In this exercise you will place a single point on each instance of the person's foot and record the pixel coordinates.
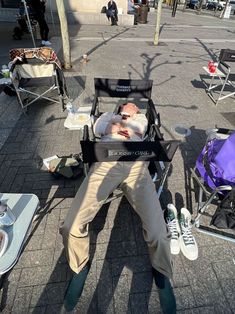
(46, 43)
(188, 243)
(173, 224)
(75, 288)
(165, 291)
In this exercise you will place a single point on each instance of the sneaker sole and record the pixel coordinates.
(185, 253)
(174, 251)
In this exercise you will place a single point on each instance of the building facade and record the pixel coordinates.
(78, 11)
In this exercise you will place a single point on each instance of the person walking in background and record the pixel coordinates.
(39, 8)
(112, 12)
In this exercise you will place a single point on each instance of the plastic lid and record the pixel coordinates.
(181, 130)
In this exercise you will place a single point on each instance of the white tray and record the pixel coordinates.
(77, 120)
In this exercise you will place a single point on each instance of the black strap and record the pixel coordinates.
(206, 164)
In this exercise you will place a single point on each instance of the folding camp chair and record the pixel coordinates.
(212, 187)
(24, 208)
(154, 149)
(222, 83)
(36, 74)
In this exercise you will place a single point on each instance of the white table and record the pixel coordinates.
(219, 80)
(24, 207)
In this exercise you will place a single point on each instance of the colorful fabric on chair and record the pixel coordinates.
(216, 163)
(45, 54)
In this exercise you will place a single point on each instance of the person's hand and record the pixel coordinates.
(124, 132)
(113, 128)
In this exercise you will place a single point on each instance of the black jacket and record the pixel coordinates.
(112, 10)
(38, 6)
(112, 6)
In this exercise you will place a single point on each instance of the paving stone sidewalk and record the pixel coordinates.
(120, 278)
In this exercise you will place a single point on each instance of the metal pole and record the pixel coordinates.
(157, 29)
(174, 8)
(52, 19)
(29, 23)
(64, 33)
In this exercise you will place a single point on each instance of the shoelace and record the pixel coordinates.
(173, 229)
(187, 234)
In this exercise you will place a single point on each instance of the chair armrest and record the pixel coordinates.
(225, 65)
(86, 133)
(128, 151)
(94, 105)
(224, 131)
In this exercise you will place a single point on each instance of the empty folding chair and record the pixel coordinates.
(222, 84)
(36, 74)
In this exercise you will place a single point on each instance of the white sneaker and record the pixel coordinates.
(46, 43)
(188, 243)
(173, 224)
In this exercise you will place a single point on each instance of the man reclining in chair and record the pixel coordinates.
(139, 189)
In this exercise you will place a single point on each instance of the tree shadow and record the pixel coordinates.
(104, 42)
(190, 150)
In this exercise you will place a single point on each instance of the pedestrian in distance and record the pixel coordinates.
(112, 12)
(39, 8)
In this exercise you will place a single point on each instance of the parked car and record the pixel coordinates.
(194, 4)
(215, 5)
(232, 3)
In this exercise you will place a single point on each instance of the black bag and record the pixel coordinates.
(104, 9)
(224, 216)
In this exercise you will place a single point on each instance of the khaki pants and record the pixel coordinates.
(137, 185)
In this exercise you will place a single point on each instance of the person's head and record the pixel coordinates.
(128, 110)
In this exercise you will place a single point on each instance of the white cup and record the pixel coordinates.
(85, 57)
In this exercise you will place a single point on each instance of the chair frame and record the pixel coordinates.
(159, 152)
(209, 197)
(222, 73)
(16, 78)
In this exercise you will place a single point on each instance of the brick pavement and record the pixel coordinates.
(120, 277)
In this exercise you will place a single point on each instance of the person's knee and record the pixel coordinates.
(76, 231)
(155, 236)
(64, 231)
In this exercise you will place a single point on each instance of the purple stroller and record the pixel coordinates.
(215, 174)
